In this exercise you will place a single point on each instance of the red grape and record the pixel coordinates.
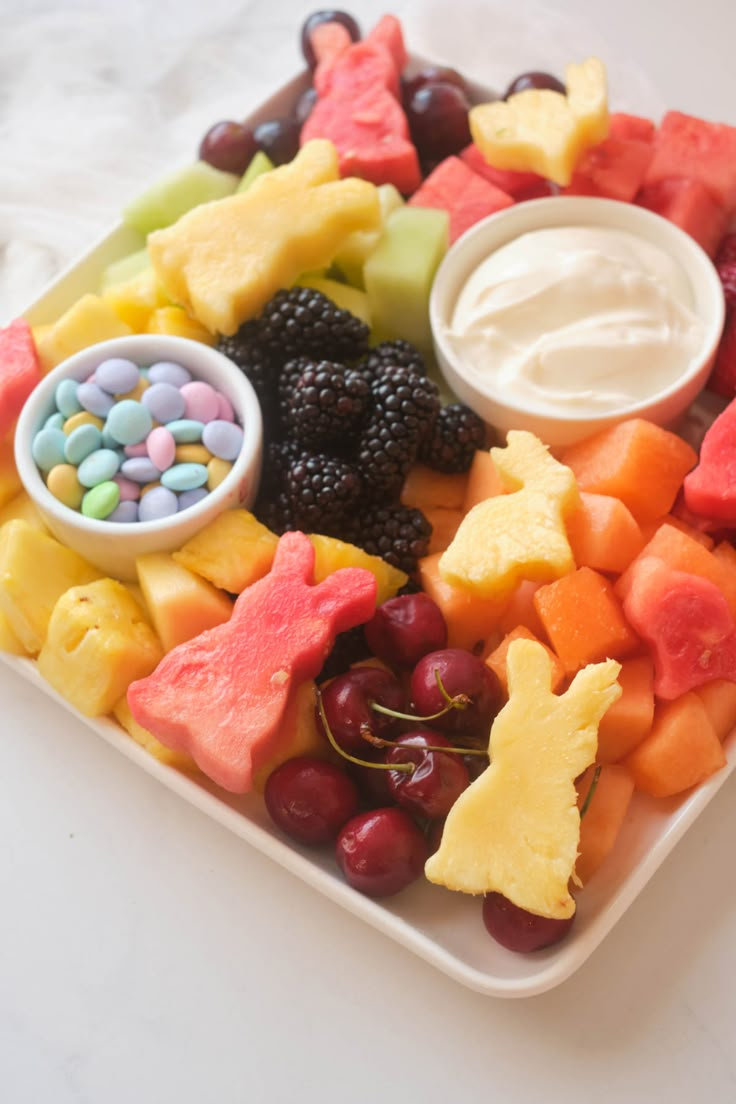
(438, 120)
(228, 146)
(437, 780)
(310, 799)
(325, 16)
(278, 139)
(431, 74)
(382, 851)
(405, 628)
(460, 673)
(519, 930)
(534, 79)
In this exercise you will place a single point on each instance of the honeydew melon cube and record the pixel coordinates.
(342, 295)
(180, 604)
(179, 759)
(98, 642)
(35, 570)
(127, 268)
(359, 245)
(399, 273)
(175, 194)
(87, 321)
(260, 163)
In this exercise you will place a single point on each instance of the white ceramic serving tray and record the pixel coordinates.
(444, 928)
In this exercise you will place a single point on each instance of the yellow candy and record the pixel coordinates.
(223, 261)
(516, 829)
(149, 487)
(82, 418)
(217, 469)
(520, 535)
(63, 483)
(192, 454)
(142, 385)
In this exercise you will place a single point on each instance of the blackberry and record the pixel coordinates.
(398, 534)
(278, 457)
(326, 405)
(349, 648)
(404, 393)
(322, 492)
(275, 512)
(399, 353)
(456, 435)
(304, 322)
(245, 350)
(288, 377)
(404, 410)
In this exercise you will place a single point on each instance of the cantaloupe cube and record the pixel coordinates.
(179, 759)
(35, 570)
(88, 321)
(445, 524)
(98, 642)
(424, 488)
(484, 480)
(583, 619)
(628, 720)
(636, 461)
(684, 553)
(180, 604)
(231, 552)
(522, 611)
(603, 533)
(298, 735)
(604, 816)
(497, 659)
(330, 554)
(681, 751)
(719, 699)
(472, 622)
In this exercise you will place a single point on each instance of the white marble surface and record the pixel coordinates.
(148, 955)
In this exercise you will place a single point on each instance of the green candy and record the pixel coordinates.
(100, 501)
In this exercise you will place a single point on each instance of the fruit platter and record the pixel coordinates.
(470, 684)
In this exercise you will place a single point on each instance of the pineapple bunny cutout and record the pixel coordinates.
(519, 535)
(516, 829)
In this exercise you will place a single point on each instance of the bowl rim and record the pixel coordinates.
(504, 226)
(157, 347)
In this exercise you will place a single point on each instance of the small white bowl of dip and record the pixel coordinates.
(568, 314)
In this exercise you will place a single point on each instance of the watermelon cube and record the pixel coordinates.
(19, 370)
(519, 185)
(686, 146)
(691, 206)
(615, 169)
(467, 197)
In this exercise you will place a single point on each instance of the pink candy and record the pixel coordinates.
(129, 491)
(202, 401)
(161, 447)
(225, 410)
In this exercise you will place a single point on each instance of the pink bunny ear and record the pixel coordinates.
(347, 597)
(294, 557)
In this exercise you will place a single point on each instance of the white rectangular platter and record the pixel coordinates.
(443, 928)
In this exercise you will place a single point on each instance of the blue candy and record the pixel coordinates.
(129, 422)
(66, 398)
(184, 477)
(98, 467)
(47, 448)
(186, 431)
(82, 441)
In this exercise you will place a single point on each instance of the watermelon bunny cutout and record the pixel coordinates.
(221, 695)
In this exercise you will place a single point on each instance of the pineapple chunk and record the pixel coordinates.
(181, 604)
(520, 535)
(231, 552)
(9, 642)
(88, 321)
(516, 829)
(179, 759)
(135, 300)
(22, 506)
(35, 570)
(331, 554)
(224, 260)
(10, 484)
(175, 322)
(542, 131)
(98, 642)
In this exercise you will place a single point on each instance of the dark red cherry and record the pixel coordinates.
(534, 79)
(228, 146)
(405, 628)
(438, 778)
(519, 930)
(381, 852)
(458, 672)
(310, 799)
(346, 701)
(329, 15)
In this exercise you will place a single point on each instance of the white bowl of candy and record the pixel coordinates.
(134, 444)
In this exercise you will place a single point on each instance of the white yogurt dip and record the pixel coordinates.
(569, 320)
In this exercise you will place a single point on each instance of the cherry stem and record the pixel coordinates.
(591, 791)
(405, 768)
(460, 701)
(379, 741)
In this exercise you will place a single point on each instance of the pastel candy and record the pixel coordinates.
(65, 397)
(186, 430)
(192, 454)
(165, 402)
(223, 439)
(224, 408)
(191, 498)
(64, 485)
(161, 447)
(117, 375)
(160, 502)
(54, 421)
(200, 400)
(125, 511)
(141, 449)
(140, 469)
(165, 371)
(184, 477)
(217, 469)
(82, 441)
(94, 399)
(129, 422)
(47, 448)
(83, 417)
(101, 500)
(129, 491)
(99, 467)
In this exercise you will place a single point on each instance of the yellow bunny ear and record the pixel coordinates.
(528, 669)
(594, 689)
